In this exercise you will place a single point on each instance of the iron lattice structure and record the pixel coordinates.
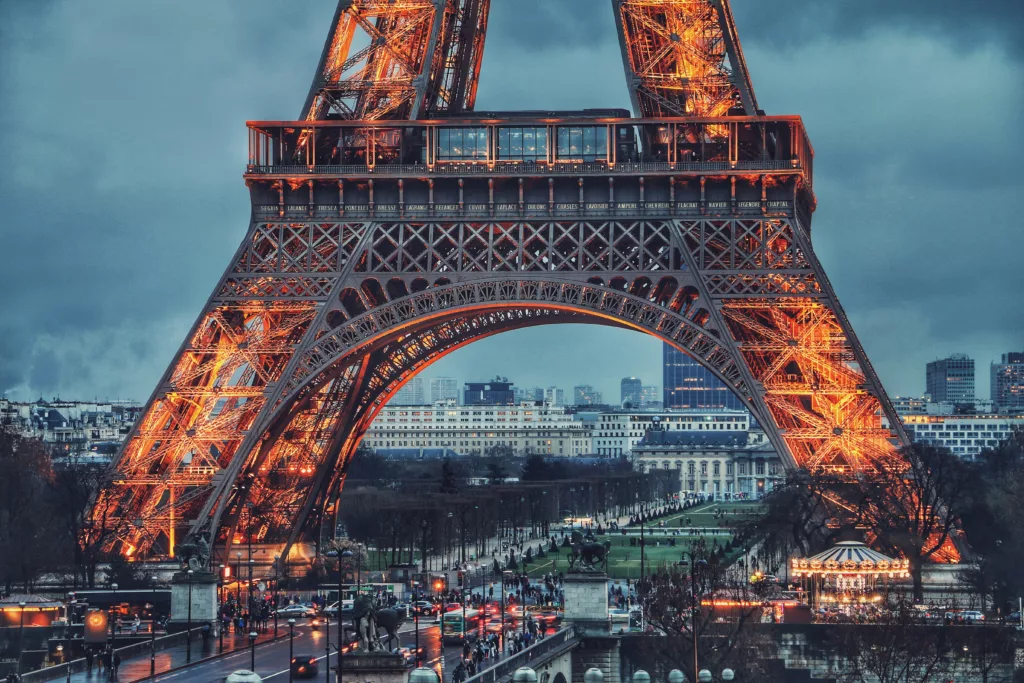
(395, 60)
(390, 227)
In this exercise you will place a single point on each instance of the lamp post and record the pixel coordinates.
(423, 526)
(188, 631)
(643, 545)
(238, 580)
(252, 652)
(113, 636)
(221, 611)
(696, 610)
(277, 565)
(415, 625)
(448, 540)
(248, 590)
(291, 647)
(21, 633)
(71, 601)
(152, 635)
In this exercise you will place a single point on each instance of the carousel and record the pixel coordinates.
(849, 579)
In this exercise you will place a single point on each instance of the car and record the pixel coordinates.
(299, 611)
(404, 609)
(243, 676)
(452, 606)
(408, 654)
(332, 610)
(424, 608)
(304, 666)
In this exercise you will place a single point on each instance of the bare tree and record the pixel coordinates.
(914, 506)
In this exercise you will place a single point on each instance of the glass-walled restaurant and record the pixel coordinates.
(705, 144)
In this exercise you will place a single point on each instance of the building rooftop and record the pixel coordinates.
(685, 439)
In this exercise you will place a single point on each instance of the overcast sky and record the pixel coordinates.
(122, 143)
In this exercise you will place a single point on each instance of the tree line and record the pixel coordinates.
(930, 503)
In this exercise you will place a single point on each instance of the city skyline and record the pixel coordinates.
(121, 225)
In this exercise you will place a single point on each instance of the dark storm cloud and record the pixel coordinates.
(122, 139)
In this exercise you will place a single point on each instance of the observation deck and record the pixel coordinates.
(531, 166)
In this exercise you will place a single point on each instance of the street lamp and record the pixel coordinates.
(238, 580)
(71, 602)
(277, 565)
(188, 631)
(423, 526)
(698, 564)
(252, 652)
(448, 540)
(248, 592)
(152, 634)
(21, 633)
(291, 647)
(221, 612)
(113, 637)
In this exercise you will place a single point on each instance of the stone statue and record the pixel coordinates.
(194, 556)
(364, 616)
(587, 554)
(368, 620)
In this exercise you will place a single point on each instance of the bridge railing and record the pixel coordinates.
(471, 169)
(508, 666)
(127, 652)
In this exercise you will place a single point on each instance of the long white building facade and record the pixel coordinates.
(618, 433)
(466, 430)
(964, 435)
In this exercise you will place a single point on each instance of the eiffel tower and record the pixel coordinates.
(392, 225)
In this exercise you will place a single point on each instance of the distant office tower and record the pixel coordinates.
(411, 394)
(444, 389)
(586, 395)
(651, 395)
(497, 392)
(688, 385)
(529, 395)
(554, 396)
(1008, 383)
(631, 392)
(951, 380)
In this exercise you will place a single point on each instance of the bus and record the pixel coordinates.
(455, 629)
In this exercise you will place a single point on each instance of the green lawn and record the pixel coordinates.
(624, 561)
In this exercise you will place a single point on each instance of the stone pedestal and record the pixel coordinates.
(204, 601)
(586, 602)
(374, 667)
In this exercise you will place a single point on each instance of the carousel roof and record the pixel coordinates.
(850, 550)
(850, 556)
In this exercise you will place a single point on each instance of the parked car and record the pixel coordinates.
(304, 666)
(298, 611)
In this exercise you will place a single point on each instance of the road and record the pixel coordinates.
(272, 658)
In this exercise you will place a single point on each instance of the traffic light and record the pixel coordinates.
(461, 579)
(96, 626)
(438, 585)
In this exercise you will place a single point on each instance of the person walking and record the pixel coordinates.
(88, 661)
(116, 663)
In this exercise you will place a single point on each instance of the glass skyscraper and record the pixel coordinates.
(688, 385)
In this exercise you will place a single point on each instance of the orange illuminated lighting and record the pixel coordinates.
(227, 571)
(746, 603)
(130, 551)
